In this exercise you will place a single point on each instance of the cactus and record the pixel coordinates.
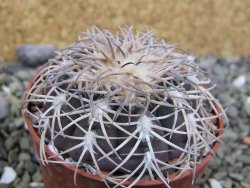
(124, 107)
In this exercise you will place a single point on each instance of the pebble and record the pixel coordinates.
(247, 106)
(37, 177)
(244, 184)
(15, 87)
(34, 55)
(232, 112)
(25, 74)
(18, 122)
(36, 185)
(20, 168)
(12, 157)
(24, 157)
(214, 183)
(230, 135)
(219, 175)
(3, 153)
(30, 167)
(8, 176)
(12, 140)
(24, 143)
(232, 59)
(4, 107)
(220, 71)
(239, 81)
(236, 176)
(244, 158)
(227, 183)
(26, 177)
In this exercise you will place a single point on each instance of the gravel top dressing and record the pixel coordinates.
(230, 168)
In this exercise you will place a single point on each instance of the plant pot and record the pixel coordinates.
(61, 175)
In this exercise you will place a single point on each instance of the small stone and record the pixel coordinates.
(247, 106)
(24, 143)
(12, 156)
(219, 175)
(220, 71)
(5, 89)
(238, 166)
(214, 183)
(26, 177)
(12, 140)
(227, 183)
(8, 176)
(19, 168)
(37, 177)
(30, 167)
(239, 81)
(34, 55)
(244, 184)
(232, 112)
(36, 185)
(23, 184)
(247, 176)
(16, 104)
(230, 135)
(18, 122)
(15, 87)
(244, 158)
(232, 59)
(3, 153)
(25, 74)
(24, 157)
(236, 184)
(17, 182)
(236, 176)
(4, 107)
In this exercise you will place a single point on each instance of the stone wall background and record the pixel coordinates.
(201, 26)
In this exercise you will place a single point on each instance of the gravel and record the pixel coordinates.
(34, 55)
(229, 169)
(231, 166)
(4, 107)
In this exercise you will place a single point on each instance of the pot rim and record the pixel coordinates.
(172, 177)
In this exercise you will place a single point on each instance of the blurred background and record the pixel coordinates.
(216, 31)
(201, 26)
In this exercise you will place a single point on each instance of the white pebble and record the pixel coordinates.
(6, 90)
(239, 81)
(26, 127)
(215, 183)
(36, 185)
(247, 105)
(8, 176)
(248, 100)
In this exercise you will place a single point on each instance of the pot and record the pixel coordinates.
(57, 175)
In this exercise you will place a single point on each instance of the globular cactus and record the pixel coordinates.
(125, 107)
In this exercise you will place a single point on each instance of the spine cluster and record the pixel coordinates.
(129, 104)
